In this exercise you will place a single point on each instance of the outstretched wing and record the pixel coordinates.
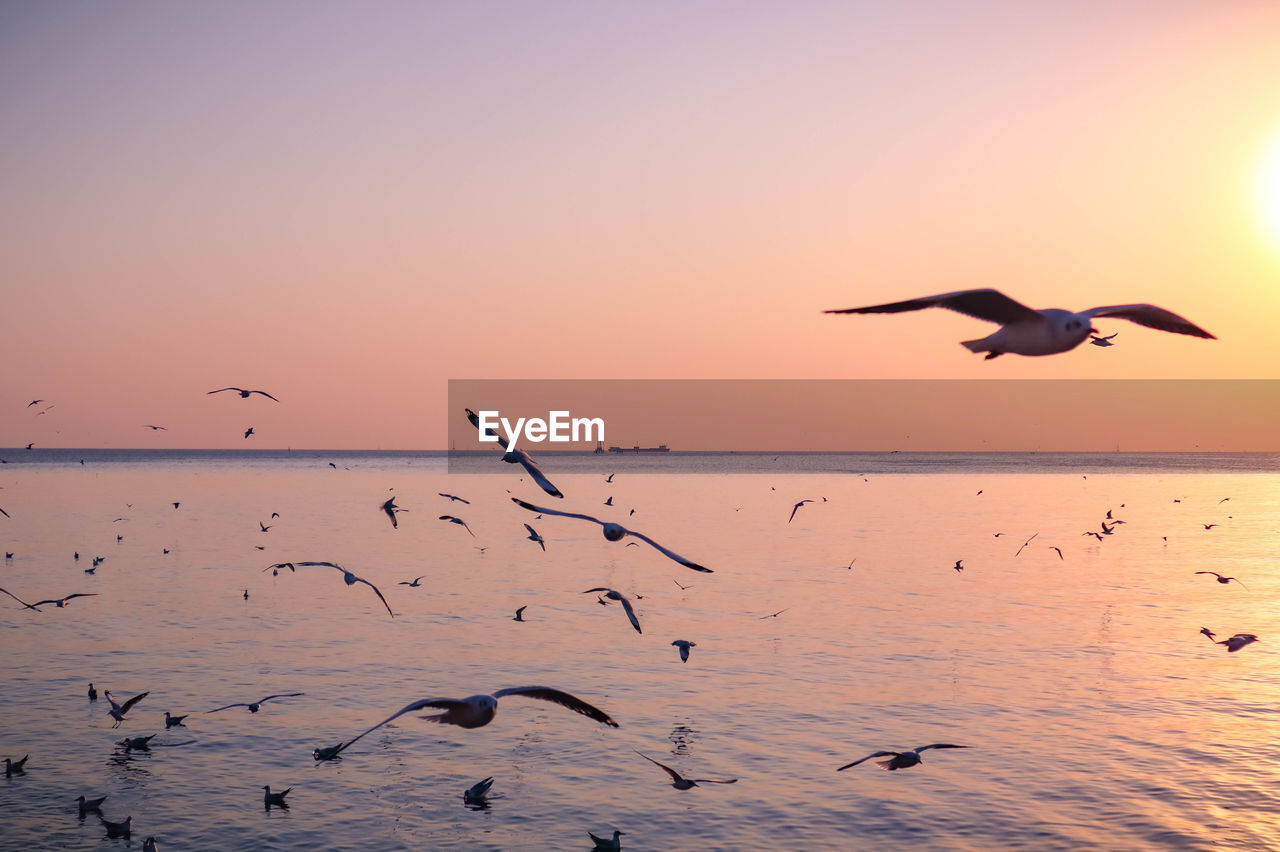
(937, 745)
(20, 600)
(417, 705)
(325, 564)
(545, 484)
(675, 776)
(379, 594)
(670, 554)
(986, 304)
(714, 781)
(264, 393)
(280, 695)
(564, 699)
(124, 708)
(1152, 317)
(868, 757)
(532, 508)
(220, 390)
(226, 707)
(631, 613)
(493, 433)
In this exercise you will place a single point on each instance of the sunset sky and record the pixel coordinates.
(350, 204)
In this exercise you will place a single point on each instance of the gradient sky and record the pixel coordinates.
(349, 204)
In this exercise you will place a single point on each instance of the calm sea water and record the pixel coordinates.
(1096, 715)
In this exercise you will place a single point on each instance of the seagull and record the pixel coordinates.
(518, 457)
(265, 527)
(86, 805)
(415, 583)
(1207, 632)
(118, 710)
(176, 505)
(154, 428)
(609, 502)
(1103, 341)
(682, 587)
(137, 743)
(329, 753)
(899, 759)
(451, 519)
(533, 536)
(1098, 536)
(1235, 643)
(277, 799)
(1223, 500)
(1051, 547)
(519, 616)
(149, 845)
(796, 508)
(1028, 541)
(626, 604)
(614, 532)
(1208, 526)
(609, 478)
(680, 782)
(173, 721)
(352, 579)
(453, 498)
(390, 508)
(246, 594)
(602, 845)
(684, 645)
(958, 567)
(477, 711)
(1024, 331)
(475, 794)
(34, 402)
(244, 394)
(255, 706)
(275, 569)
(248, 432)
(1221, 579)
(15, 767)
(772, 614)
(93, 693)
(117, 829)
(61, 602)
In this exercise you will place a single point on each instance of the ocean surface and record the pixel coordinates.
(1095, 713)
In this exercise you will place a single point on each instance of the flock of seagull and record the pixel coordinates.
(1023, 331)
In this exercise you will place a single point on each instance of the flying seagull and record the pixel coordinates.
(958, 567)
(680, 782)
(626, 604)
(453, 498)
(477, 711)
(614, 532)
(391, 508)
(256, 705)
(351, 580)
(684, 645)
(899, 759)
(154, 428)
(248, 432)
(1033, 535)
(1051, 547)
(61, 602)
(519, 616)
(1235, 643)
(451, 519)
(796, 508)
(533, 536)
(1025, 331)
(415, 583)
(518, 457)
(1103, 341)
(1221, 579)
(244, 394)
(19, 600)
(118, 710)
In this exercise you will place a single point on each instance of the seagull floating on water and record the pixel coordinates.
(603, 845)
(15, 767)
(85, 805)
(173, 721)
(118, 710)
(626, 605)
(149, 845)
(476, 793)
(117, 829)
(256, 705)
(137, 743)
(244, 394)
(680, 782)
(899, 759)
(93, 693)
(476, 711)
(614, 532)
(1025, 331)
(270, 799)
(684, 645)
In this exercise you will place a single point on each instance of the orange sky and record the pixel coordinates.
(350, 204)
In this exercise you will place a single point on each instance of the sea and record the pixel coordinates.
(1044, 611)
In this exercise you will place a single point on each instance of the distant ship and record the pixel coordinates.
(661, 448)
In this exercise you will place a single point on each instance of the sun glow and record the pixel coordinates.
(1268, 190)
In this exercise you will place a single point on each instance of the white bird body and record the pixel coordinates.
(1026, 331)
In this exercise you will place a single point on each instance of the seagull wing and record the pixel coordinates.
(475, 421)
(1214, 573)
(670, 554)
(675, 776)
(714, 781)
(264, 393)
(279, 695)
(631, 613)
(532, 508)
(868, 757)
(124, 708)
(379, 594)
(1152, 317)
(215, 710)
(417, 705)
(220, 390)
(326, 564)
(936, 745)
(538, 477)
(19, 600)
(990, 305)
(564, 699)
